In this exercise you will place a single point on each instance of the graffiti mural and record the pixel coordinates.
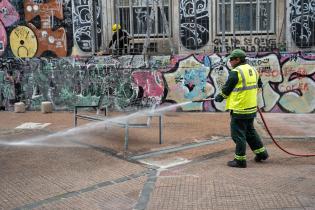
(298, 86)
(8, 13)
(150, 85)
(44, 28)
(302, 22)
(23, 42)
(127, 83)
(3, 38)
(8, 16)
(194, 23)
(83, 21)
(218, 75)
(269, 69)
(189, 82)
(54, 41)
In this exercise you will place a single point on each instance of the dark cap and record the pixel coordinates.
(237, 53)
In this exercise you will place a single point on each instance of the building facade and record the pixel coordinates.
(61, 28)
(58, 50)
(217, 25)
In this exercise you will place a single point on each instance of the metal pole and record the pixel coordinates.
(117, 34)
(131, 25)
(149, 28)
(302, 22)
(195, 22)
(268, 20)
(259, 21)
(233, 24)
(92, 26)
(166, 27)
(251, 19)
(223, 26)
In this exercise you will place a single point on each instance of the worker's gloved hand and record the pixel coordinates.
(218, 98)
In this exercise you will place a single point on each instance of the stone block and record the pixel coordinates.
(46, 107)
(19, 107)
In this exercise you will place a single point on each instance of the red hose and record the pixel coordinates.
(270, 134)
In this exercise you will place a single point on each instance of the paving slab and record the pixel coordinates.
(58, 167)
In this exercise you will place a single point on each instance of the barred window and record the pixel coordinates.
(133, 16)
(246, 16)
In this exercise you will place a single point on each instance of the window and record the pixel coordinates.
(246, 16)
(133, 16)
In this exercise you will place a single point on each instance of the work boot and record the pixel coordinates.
(237, 163)
(261, 156)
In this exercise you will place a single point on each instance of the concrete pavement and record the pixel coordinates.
(57, 167)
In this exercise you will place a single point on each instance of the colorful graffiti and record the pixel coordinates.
(188, 81)
(54, 41)
(44, 28)
(128, 83)
(8, 16)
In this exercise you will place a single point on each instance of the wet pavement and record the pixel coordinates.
(58, 167)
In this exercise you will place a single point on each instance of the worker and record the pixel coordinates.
(120, 40)
(240, 92)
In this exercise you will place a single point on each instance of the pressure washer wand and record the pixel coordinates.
(204, 100)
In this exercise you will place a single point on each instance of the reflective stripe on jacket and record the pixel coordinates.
(243, 99)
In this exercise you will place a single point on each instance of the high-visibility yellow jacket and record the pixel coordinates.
(243, 98)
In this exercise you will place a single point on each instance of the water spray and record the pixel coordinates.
(38, 140)
(204, 100)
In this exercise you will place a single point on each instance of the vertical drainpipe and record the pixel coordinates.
(233, 24)
(251, 20)
(258, 19)
(105, 37)
(116, 7)
(223, 26)
(101, 24)
(286, 37)
(75, 44)
(131, 24)
(302, 21)
(148, 32)
(268, 23)
(92, 26)
(210, 8)
(195, 21)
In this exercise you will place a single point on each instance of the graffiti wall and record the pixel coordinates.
(44, 28)
(194, 23)
(301, 17)
(128, 82)
(248, 44)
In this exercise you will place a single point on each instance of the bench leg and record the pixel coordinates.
(126, 136)
(161, 129)
(75, 117)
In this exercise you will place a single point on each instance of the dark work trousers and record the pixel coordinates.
(242, 131)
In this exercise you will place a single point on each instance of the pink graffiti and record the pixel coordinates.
(8, 13)
(286, 72)
(3, 39)
(151, 82)
(177, 58)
